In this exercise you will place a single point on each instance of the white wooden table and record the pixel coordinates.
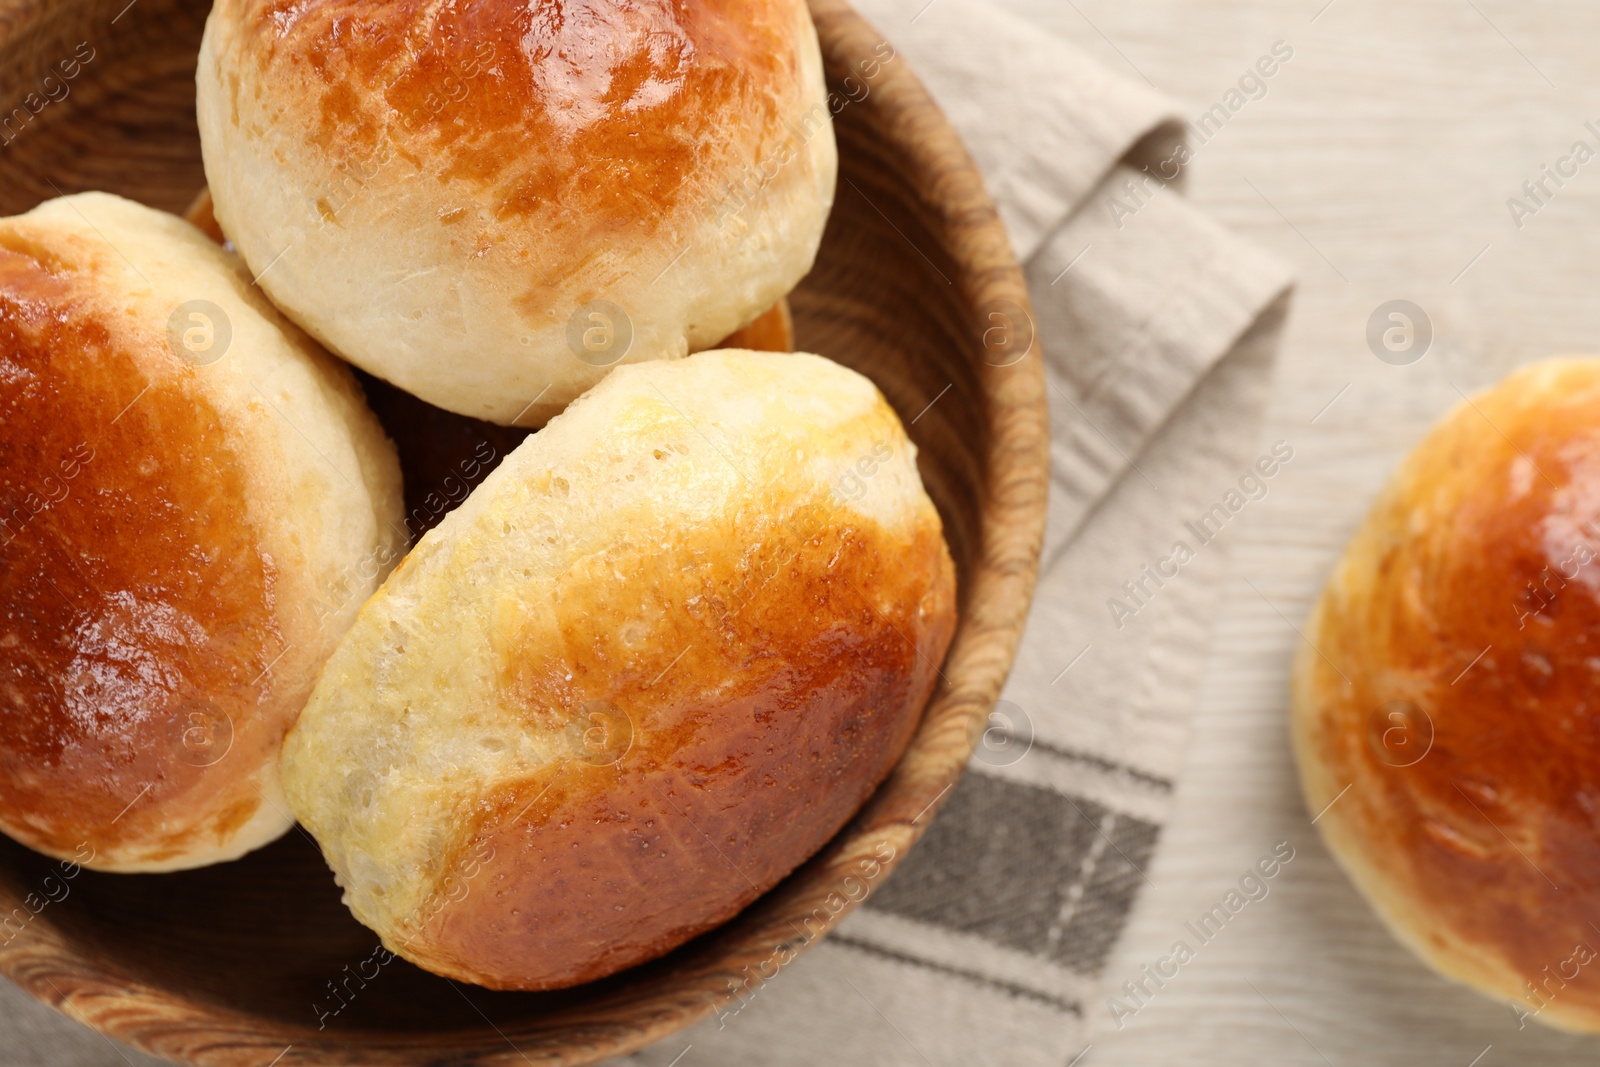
(1379, 162)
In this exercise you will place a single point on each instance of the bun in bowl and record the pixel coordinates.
(1445, 700)
(491, 204)
(194, 502)
(655, 661)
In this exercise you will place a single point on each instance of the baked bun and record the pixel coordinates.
(1447, 699)
(490, 204)
(657, 659)
(194, 502)
(771, 331)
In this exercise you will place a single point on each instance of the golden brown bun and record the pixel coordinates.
(654, 662)
(444, 455)
(771, 331)
(1466, 617)
(201, 214)
(443, 193)
(183, 541)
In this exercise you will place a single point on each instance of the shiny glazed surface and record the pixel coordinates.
(133, 596)
(443, 193)
(188, 980)
(655, 661)
(1459, 696)
(693, 793)
(597, 109)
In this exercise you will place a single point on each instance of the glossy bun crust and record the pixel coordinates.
(183, 540)
(1466, 617)
(441, 192)
(657, 659)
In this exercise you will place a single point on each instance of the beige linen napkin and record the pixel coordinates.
(1158, 330)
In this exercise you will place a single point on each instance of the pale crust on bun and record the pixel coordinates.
(491, 204)
(655, 661)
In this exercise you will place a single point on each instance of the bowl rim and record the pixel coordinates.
(997, 595)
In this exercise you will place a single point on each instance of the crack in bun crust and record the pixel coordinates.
(656, 661)
(449, 184)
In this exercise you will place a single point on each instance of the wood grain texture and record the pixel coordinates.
(236, 965)
(1378, 163)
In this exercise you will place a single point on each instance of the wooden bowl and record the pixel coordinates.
(915, 286)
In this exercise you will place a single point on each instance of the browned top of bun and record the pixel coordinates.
(639, 675)
(194, 503)
(1466, 618)
(726, 786)
(605, 109)
(122, 527)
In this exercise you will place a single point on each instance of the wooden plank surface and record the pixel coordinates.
(1379, 161)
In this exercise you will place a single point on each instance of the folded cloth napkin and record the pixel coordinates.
(1158, 329)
